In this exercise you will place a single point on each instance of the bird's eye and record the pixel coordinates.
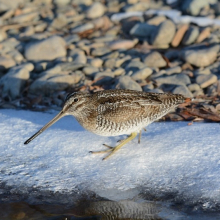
(75, 100)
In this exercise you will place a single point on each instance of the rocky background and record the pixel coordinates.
(49, 48)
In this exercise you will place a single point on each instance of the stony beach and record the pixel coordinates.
(51, 48)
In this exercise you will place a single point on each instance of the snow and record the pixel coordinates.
(173, 14)
(173, 158)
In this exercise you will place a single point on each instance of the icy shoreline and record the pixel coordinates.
(173, 159)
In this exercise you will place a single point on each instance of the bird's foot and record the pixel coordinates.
(112, 150)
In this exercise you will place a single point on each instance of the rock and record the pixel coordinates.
(52, 81)
(206, 80)
(109, 63)
(180, 79)
(82, 28)
(6, 62)
(143, 30)
(191, 35)
(72, 39)
(122, 44)
(193, 7)
(205, 71)
(14, 81)
(3, 35)
(155, 90)
(25, 17)
(201, 56)
(173, 70)
(142, 74)
(157, 20)
(119, 72)
(61, 2)
(6, 5)
(16, 55)
(164, 33)
(126, 82)
(154, 59)
(179, 35)
(95, 62)
(134, 66)
(100, 51)
(59, 22)
(78, 56)
(105, 73)
(140, 6)
(205, 33)
(148, 87)
(194, 87)
(90, 70)
(96, 10)
(183, 90)
(48, 49)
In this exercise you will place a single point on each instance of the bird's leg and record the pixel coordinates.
(139, 137)
(112, 150)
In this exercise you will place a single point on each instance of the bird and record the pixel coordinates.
(116, 112)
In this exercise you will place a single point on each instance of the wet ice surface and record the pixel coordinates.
(174, 162)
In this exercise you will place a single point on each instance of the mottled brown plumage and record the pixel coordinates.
(116, 112)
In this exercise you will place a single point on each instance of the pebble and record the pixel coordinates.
(154, 59)
(134, 65)
(194, 87)
(82, 28)
(78, 56)
(122, 44)
(206, 80)
(48, 49)
(119, 72)
(182, 89)
(191, 35)
(3, 35)
(50, 82)
(164, 34)
(205, 33)
(179, 35)
(100, 51)
(90, 70)
(126, 82)
(6, 62)
(97, 62)
(142, 74)
(193, 7)
(156, 20)
(201, 56)
(179, 79)
(143, 30)
(140, 6)
(25, 17)
(15, 79)
(96, 10)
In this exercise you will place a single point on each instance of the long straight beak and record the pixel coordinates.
(56, 118)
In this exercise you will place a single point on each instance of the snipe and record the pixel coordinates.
(116, 112)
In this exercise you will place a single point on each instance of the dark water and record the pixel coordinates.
(103, 209)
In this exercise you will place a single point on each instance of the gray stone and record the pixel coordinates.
(206, 80)
(25, 17)
(48, 49)
(142, 74)
(191, 35)
(96, 10)
(14, 81)
(109, 63)
(180, 79)
(134, 66)
(16, 55)
(193, 7)
(105, 73)
(205, 71)
(6, 5)
(97, 62)
(72, 39)
(126, 82)
(100, 51)
(201, 56)
(194, 87)
(6, 62)
(164, 33)
(143, 30)
(82, 28)
(119, 72)
(140, 6)
(173, 70)
(183, 90)
(154, 59)
(59, 22)
(78, 56)
(148, 87)
(53, 80)
(90, 70)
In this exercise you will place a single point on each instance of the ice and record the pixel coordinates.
(173, 159)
